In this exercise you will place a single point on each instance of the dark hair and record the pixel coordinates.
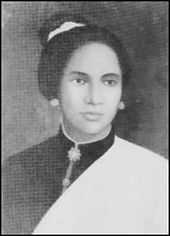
(58, 50)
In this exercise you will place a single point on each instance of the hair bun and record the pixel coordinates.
(55, 21)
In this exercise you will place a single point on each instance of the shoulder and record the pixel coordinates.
(32, 154)
(17, 170)
(147, 173)
(137, 151)
(25, 186)
(140, 160)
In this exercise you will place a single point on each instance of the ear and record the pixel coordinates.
(54, 102)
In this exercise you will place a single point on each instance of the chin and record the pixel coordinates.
(92, 129)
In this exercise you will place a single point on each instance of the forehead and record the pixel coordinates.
(94, 58)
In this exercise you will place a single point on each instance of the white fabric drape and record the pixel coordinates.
(123, 192)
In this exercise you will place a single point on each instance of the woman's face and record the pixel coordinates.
(90, 90)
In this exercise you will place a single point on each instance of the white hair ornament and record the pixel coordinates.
(66, 26)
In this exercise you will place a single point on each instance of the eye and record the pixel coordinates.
(110, 82)
(79, 81)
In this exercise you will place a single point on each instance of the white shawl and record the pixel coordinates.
(123, 192)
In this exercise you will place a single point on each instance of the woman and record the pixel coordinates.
(85, 179)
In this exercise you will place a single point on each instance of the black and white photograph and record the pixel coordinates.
(84, 117)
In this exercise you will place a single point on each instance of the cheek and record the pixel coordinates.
(70, 100)
(112, 99)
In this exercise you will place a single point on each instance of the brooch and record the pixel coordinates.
(74, 154)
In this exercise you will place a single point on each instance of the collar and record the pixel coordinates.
(90, 151)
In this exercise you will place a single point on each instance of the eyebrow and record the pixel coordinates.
(103, 76)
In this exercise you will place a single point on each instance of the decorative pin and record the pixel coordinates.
(74, 154)
(66, 182)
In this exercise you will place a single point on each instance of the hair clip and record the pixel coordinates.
(66, 26)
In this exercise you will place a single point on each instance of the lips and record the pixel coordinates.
(92, 116)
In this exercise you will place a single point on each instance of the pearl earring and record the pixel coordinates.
(121, 105)
(54, 102)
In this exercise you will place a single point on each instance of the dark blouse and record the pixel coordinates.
(32, 179)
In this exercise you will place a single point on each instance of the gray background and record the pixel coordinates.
(28, 119)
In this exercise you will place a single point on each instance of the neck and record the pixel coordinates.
(79, 138)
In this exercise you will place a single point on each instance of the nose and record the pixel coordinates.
(93, 95)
